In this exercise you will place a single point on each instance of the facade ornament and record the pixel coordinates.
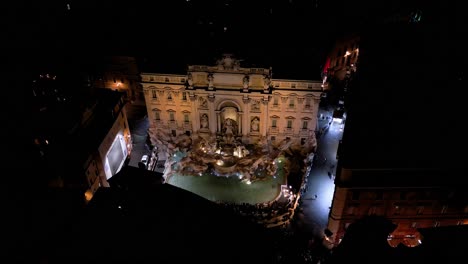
(210, 79)
(228, 62)
(266, 82)
(203, 102)
(255, 106)
(192, 96)
(204, 121)
(255, 124)
(190, 80)
(211, 97)
(246, 99)
(245, 80)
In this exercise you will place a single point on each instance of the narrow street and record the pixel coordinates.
(138, 123)
(316, 201)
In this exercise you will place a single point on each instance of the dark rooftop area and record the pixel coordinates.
(160, 223)
(404, 108)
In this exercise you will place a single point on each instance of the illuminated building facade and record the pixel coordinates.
(419, 203)
(247, 102)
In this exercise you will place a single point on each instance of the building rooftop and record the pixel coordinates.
(160, 223)
(403, 108)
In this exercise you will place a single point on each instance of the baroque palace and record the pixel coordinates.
(227, 99)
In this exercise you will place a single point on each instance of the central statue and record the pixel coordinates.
(229, 130)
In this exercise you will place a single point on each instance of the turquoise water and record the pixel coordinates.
(228, 189)
(231, 189)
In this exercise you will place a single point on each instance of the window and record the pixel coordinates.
(291, 103)
(420, 210)
(275, 101)
(303, 141)
(307, 103)
(186, 118)
(171, 116)
(444, 209)
(153, 93)
(273, 138)
(304, 124)
(166, 79)
(373, 210)
(184, 96)
(174, 133)
(169, 96)
(157, 115)
(289, 123)
(273, 123)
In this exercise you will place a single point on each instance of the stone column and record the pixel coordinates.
(218, 120)
(239, 117)
(196, 115)
(264, 122)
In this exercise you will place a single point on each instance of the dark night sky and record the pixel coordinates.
(261, 32)
(281, 33)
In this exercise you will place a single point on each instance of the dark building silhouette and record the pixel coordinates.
(138, 219)
(401, 155)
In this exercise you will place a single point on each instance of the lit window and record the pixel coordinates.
(420, 210)
(444, 209)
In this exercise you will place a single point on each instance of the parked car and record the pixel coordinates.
(144, 160)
